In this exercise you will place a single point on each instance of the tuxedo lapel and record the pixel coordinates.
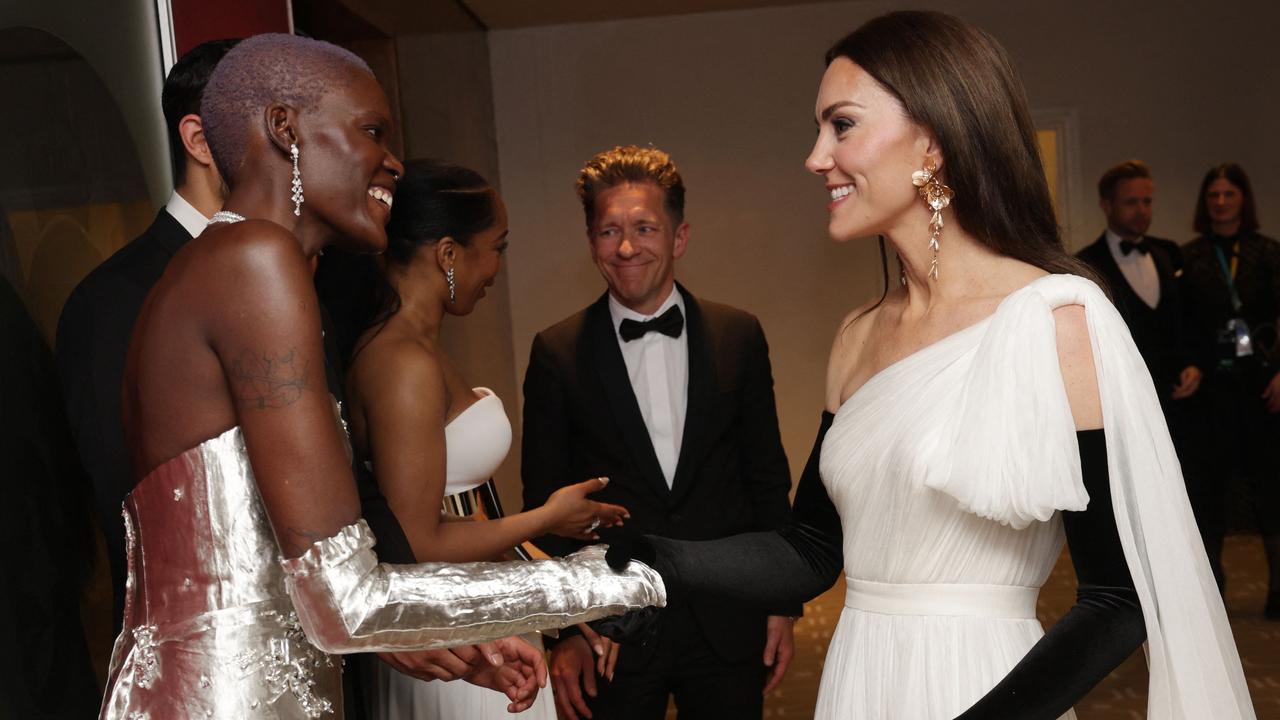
(701, 396)
(1164, 273)
(620, 397)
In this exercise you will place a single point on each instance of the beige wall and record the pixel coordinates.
(730, 95)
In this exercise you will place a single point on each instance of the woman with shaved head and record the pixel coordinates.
(249, 563)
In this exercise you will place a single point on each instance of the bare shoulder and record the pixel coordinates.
(1075, 357)
(250, 247)
(393, 368)
(851, 337)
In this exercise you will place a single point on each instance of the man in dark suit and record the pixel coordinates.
(1144, 274)
(1145, 277)
(97, 320)
(671, 398)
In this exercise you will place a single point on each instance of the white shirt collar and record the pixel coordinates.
(191, 219)
(620, 312)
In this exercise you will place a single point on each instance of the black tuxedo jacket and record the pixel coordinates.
(93, 339)
(1159, 332)
(581, 420)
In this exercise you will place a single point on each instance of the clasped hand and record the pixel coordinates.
(510, 666)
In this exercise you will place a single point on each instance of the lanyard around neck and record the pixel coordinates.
(1229, 271)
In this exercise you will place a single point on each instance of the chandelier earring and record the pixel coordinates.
(453, 289)
(295, 186)
(937, 196)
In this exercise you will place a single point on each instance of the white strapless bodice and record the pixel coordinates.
(477, 441)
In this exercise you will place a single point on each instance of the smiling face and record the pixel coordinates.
(477, 264)
(1224, 201)
(866, 150)
(635, 243)
(348, 172)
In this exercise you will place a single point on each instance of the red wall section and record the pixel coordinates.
(197, 21)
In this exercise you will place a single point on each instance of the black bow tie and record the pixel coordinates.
(669, 323)
(1141, 246)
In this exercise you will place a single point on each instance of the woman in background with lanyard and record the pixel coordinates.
(1232, 295)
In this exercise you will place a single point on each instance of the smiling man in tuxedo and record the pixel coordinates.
(670, 397)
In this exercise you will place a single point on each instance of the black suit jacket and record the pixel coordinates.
(1159, 332)
(93, 339)
(581, 420)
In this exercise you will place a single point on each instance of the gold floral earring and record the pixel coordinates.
(937, 196)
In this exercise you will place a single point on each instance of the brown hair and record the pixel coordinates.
(631, 164)
(1127, 170)
(958, 82)
(1234, 174)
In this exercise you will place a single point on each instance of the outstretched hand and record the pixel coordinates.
(579, 517)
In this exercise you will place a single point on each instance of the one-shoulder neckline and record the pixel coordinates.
(942, 340)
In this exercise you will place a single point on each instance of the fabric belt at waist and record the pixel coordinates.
(994, 601)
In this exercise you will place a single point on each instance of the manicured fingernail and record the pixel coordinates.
(496, 659)
(599, 649)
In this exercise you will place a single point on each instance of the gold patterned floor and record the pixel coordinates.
(1122, 695)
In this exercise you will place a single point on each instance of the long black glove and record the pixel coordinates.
(769, 570)
(1103, 628)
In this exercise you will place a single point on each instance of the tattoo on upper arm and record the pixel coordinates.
(267, 380)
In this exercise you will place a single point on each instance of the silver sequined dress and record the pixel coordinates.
(209, 629)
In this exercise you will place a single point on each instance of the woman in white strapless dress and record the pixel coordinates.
(426, 433)
(989, 403)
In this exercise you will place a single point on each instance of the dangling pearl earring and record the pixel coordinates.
(937, 196)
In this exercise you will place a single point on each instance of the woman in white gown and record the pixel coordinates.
(991, 400)
(426, 432)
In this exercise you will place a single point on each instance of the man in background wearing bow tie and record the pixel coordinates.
(670, 397)
(1144, 275)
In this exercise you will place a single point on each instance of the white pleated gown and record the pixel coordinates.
(949, 469)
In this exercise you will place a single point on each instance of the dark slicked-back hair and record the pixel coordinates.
(1127, 170)
(434, 200)
(266, 69)
(631, 164)
(1235, 175)
(957, 82)
(182, 93)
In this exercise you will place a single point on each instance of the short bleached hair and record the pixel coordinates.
(266, 69)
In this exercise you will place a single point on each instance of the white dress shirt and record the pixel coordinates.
(186, 214)
(659, 370)
(1138, 268)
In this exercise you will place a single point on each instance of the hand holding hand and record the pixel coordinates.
(578, 517)
(446, 665)
(514, 668)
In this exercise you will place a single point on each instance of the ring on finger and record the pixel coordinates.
(595, 523)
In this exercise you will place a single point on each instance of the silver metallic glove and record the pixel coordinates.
(348, 602)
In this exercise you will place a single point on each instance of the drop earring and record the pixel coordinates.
(937, 196)
(296, 185)
(453, 289)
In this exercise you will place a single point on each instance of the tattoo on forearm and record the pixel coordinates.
(267, 380)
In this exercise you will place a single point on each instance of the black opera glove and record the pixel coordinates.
(770, 570)
(1103, 628)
